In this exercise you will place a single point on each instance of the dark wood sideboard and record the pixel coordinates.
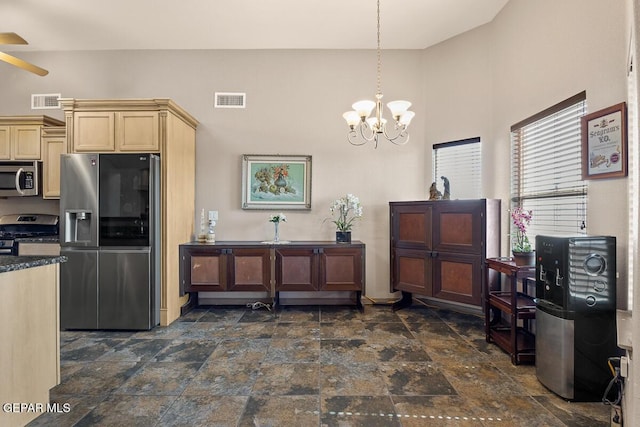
(297, 266)
(439, 248)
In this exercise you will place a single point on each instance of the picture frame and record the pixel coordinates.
(604, 143)
(274, 181)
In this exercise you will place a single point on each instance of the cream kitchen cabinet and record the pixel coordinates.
(20, 136)
(149, 125)
(54, 143)
(116, 131)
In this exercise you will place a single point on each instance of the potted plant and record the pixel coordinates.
(523, 253)
(344, 212)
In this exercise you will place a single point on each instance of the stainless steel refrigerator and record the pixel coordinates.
(110, 234)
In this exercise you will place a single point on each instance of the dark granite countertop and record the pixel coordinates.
(12, 263)
(44, 239)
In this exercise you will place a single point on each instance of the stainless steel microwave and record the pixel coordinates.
(18, 178)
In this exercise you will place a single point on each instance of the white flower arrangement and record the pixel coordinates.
(277, 218)
(345, 211)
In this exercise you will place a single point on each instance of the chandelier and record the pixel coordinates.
(363, 128)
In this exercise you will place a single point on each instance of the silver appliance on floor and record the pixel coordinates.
(110, 234)
(575, 314)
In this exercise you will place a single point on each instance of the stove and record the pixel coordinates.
(15, 227)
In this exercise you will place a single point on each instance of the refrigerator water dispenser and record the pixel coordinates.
(77, 226)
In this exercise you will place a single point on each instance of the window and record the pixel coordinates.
(546, 174)
(460, 163)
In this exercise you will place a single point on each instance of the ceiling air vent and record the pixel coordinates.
(45, 101)
(230, 100)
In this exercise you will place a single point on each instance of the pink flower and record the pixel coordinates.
(521, 219)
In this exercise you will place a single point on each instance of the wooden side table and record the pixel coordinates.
(516, 340)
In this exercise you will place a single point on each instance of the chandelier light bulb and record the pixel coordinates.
(352, 118)
(406, 117)
(364, 108)
(398, 108)
(373, 123)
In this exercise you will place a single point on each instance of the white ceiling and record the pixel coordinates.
(238, 24)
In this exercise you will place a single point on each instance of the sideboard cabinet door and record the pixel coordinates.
(341, 269)
(250, 269)
(296, 269)
(203, 269)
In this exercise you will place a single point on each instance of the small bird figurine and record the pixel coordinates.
(434, 193)
(447, 189)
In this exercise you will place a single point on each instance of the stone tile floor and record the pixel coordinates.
(305, 366)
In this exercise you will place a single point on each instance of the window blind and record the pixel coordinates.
(459, 161)
(546, 169)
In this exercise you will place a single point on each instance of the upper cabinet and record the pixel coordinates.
(20, 136)
(120, 131)
(131, 125)
(54, 143)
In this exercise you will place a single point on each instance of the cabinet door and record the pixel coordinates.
(457, 277)
(458, 226)
(5, 143)
(411, 226)
(94, 132)
(250, 269)
(296, 269)
(26, 142)
(137, 131)
(411, 271)
(341, 269)
(203, 269)
(52, 148)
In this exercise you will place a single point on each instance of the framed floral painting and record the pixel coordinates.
(276, 181)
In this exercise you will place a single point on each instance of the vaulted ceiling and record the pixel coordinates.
(63, 25)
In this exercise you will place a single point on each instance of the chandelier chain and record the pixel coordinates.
(379, 54)
(362, 128)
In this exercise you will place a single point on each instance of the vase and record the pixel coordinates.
(280, 183)
(524, 259)
(276, 236)
(343, 237)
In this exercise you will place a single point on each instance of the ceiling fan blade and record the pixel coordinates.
(11, 38)
(23, 64)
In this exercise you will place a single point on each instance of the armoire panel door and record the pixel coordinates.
(412, 271)
(411, 226)
(457, 277)
(458, 227)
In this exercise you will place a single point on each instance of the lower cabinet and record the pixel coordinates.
(291, 267)
(206, 267)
